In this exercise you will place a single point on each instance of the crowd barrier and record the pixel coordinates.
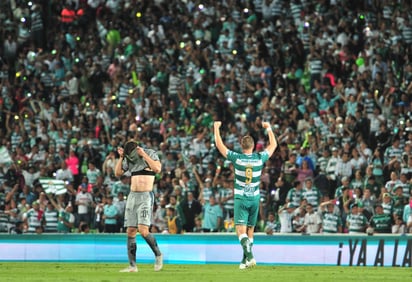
(223, 248)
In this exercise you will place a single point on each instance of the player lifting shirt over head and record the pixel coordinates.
(142, 164)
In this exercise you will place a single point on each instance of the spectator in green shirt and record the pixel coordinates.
(381, 222)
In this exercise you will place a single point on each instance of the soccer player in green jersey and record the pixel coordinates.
(248, 167)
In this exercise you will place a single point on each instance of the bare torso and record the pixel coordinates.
(142, 183)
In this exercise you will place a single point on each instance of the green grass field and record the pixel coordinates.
(22, 271)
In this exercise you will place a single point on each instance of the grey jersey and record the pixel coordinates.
(139, 163)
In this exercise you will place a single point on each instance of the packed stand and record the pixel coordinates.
(81, 77)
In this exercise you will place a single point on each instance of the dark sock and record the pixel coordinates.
(131, 250)
(151, 241)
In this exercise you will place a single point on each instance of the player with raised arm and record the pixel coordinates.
(248, 167)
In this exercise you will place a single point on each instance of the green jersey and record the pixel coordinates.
(399, 203)
(61, 227)
(382, 223)
(34, 219)
(295, 196)
(388, 208)
(313, 196)
(248, 169)
(119, 186)
(331, 222)
(357, 223)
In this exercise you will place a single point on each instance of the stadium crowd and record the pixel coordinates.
(78, 78)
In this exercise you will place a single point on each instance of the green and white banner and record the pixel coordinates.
(53, 186)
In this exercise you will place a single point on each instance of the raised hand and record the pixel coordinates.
(265, 124)
(120, 151)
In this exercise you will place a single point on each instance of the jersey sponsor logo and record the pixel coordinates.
(251, 162)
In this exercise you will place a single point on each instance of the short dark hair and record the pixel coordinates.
(129, 147)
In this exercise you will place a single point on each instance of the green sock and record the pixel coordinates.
(251, 245)
(245, 243)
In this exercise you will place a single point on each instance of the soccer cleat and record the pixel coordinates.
(250, 263)
(129, 269)
(158, 263)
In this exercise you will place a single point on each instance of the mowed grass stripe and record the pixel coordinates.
(45, 271)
